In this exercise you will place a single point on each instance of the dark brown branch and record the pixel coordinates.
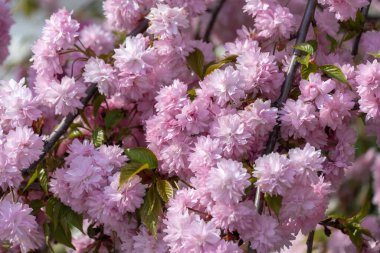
(355, 46)
(309, 242)
(212, 21)
(65, 123)
(301, 37)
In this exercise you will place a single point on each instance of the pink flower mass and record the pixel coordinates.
(191, 126)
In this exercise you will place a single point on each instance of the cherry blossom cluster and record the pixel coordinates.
(205, 112)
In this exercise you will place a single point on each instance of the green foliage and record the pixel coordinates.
(196, 62)
(61, 219)
(192, 94)
(221, 63)
(333, 43)
(151, 210)
(306, 70)
(40, 174)
(309, 47)
(274, 202)
(165, 190)
(97, 102)
(113, 117)
(335, 72)
(129, 170)
(43, 178)
(98, 137)
(376, 55)
(142, 156)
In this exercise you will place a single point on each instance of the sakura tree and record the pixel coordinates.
(197, 126)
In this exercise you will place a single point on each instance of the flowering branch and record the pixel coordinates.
(355, 47)
(66, 121)
(212, 21)
(301, 37)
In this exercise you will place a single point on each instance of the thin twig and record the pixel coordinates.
(355, 47)
(66, 121)
(309, 242)
(301, 37)
(212, 21)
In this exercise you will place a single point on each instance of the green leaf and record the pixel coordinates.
(307, 70)
(151, 210)
(376, 55)
(69, 217)
(46, 229)
(97, 102)
(195, 60)
(61, 215)
(36, 205)
(229, 59)
(75, 133)
(142, 155)
(32, 179)
(274, 202)
(129, 170)
(192, 94)
(98, 137)
(305, 47)
(63, 235)
(43, 178)
(335, 72)
(113, 117)
(349, 35)
(333, 43)
(165, 190)
(304, 60)
(362, 213)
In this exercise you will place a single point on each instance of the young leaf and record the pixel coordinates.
(32, 179)
(307, 70)
(165, 190)
(113, 117)
(195, 60)
(192, 94)
(274, 202)
(333, 43)
(151, 210)
(43, 178)
(335, 72)
(229, 59)
(63, 235)
(376, 55)
(142, 155)
(97, 102)
(74, 133)
(98, 137)
(129, 170)
(69, 217)
(305, 47)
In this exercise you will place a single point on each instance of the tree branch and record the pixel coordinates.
(301, 37)
(355, 46)
(309, 242)
(212, 21)
(65, 123)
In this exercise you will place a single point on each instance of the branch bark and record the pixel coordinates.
(65, 123)
(301, 37)
(309, 242)
(355, 46)
(212, 21)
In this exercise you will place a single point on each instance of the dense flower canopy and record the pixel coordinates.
(163, 128)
